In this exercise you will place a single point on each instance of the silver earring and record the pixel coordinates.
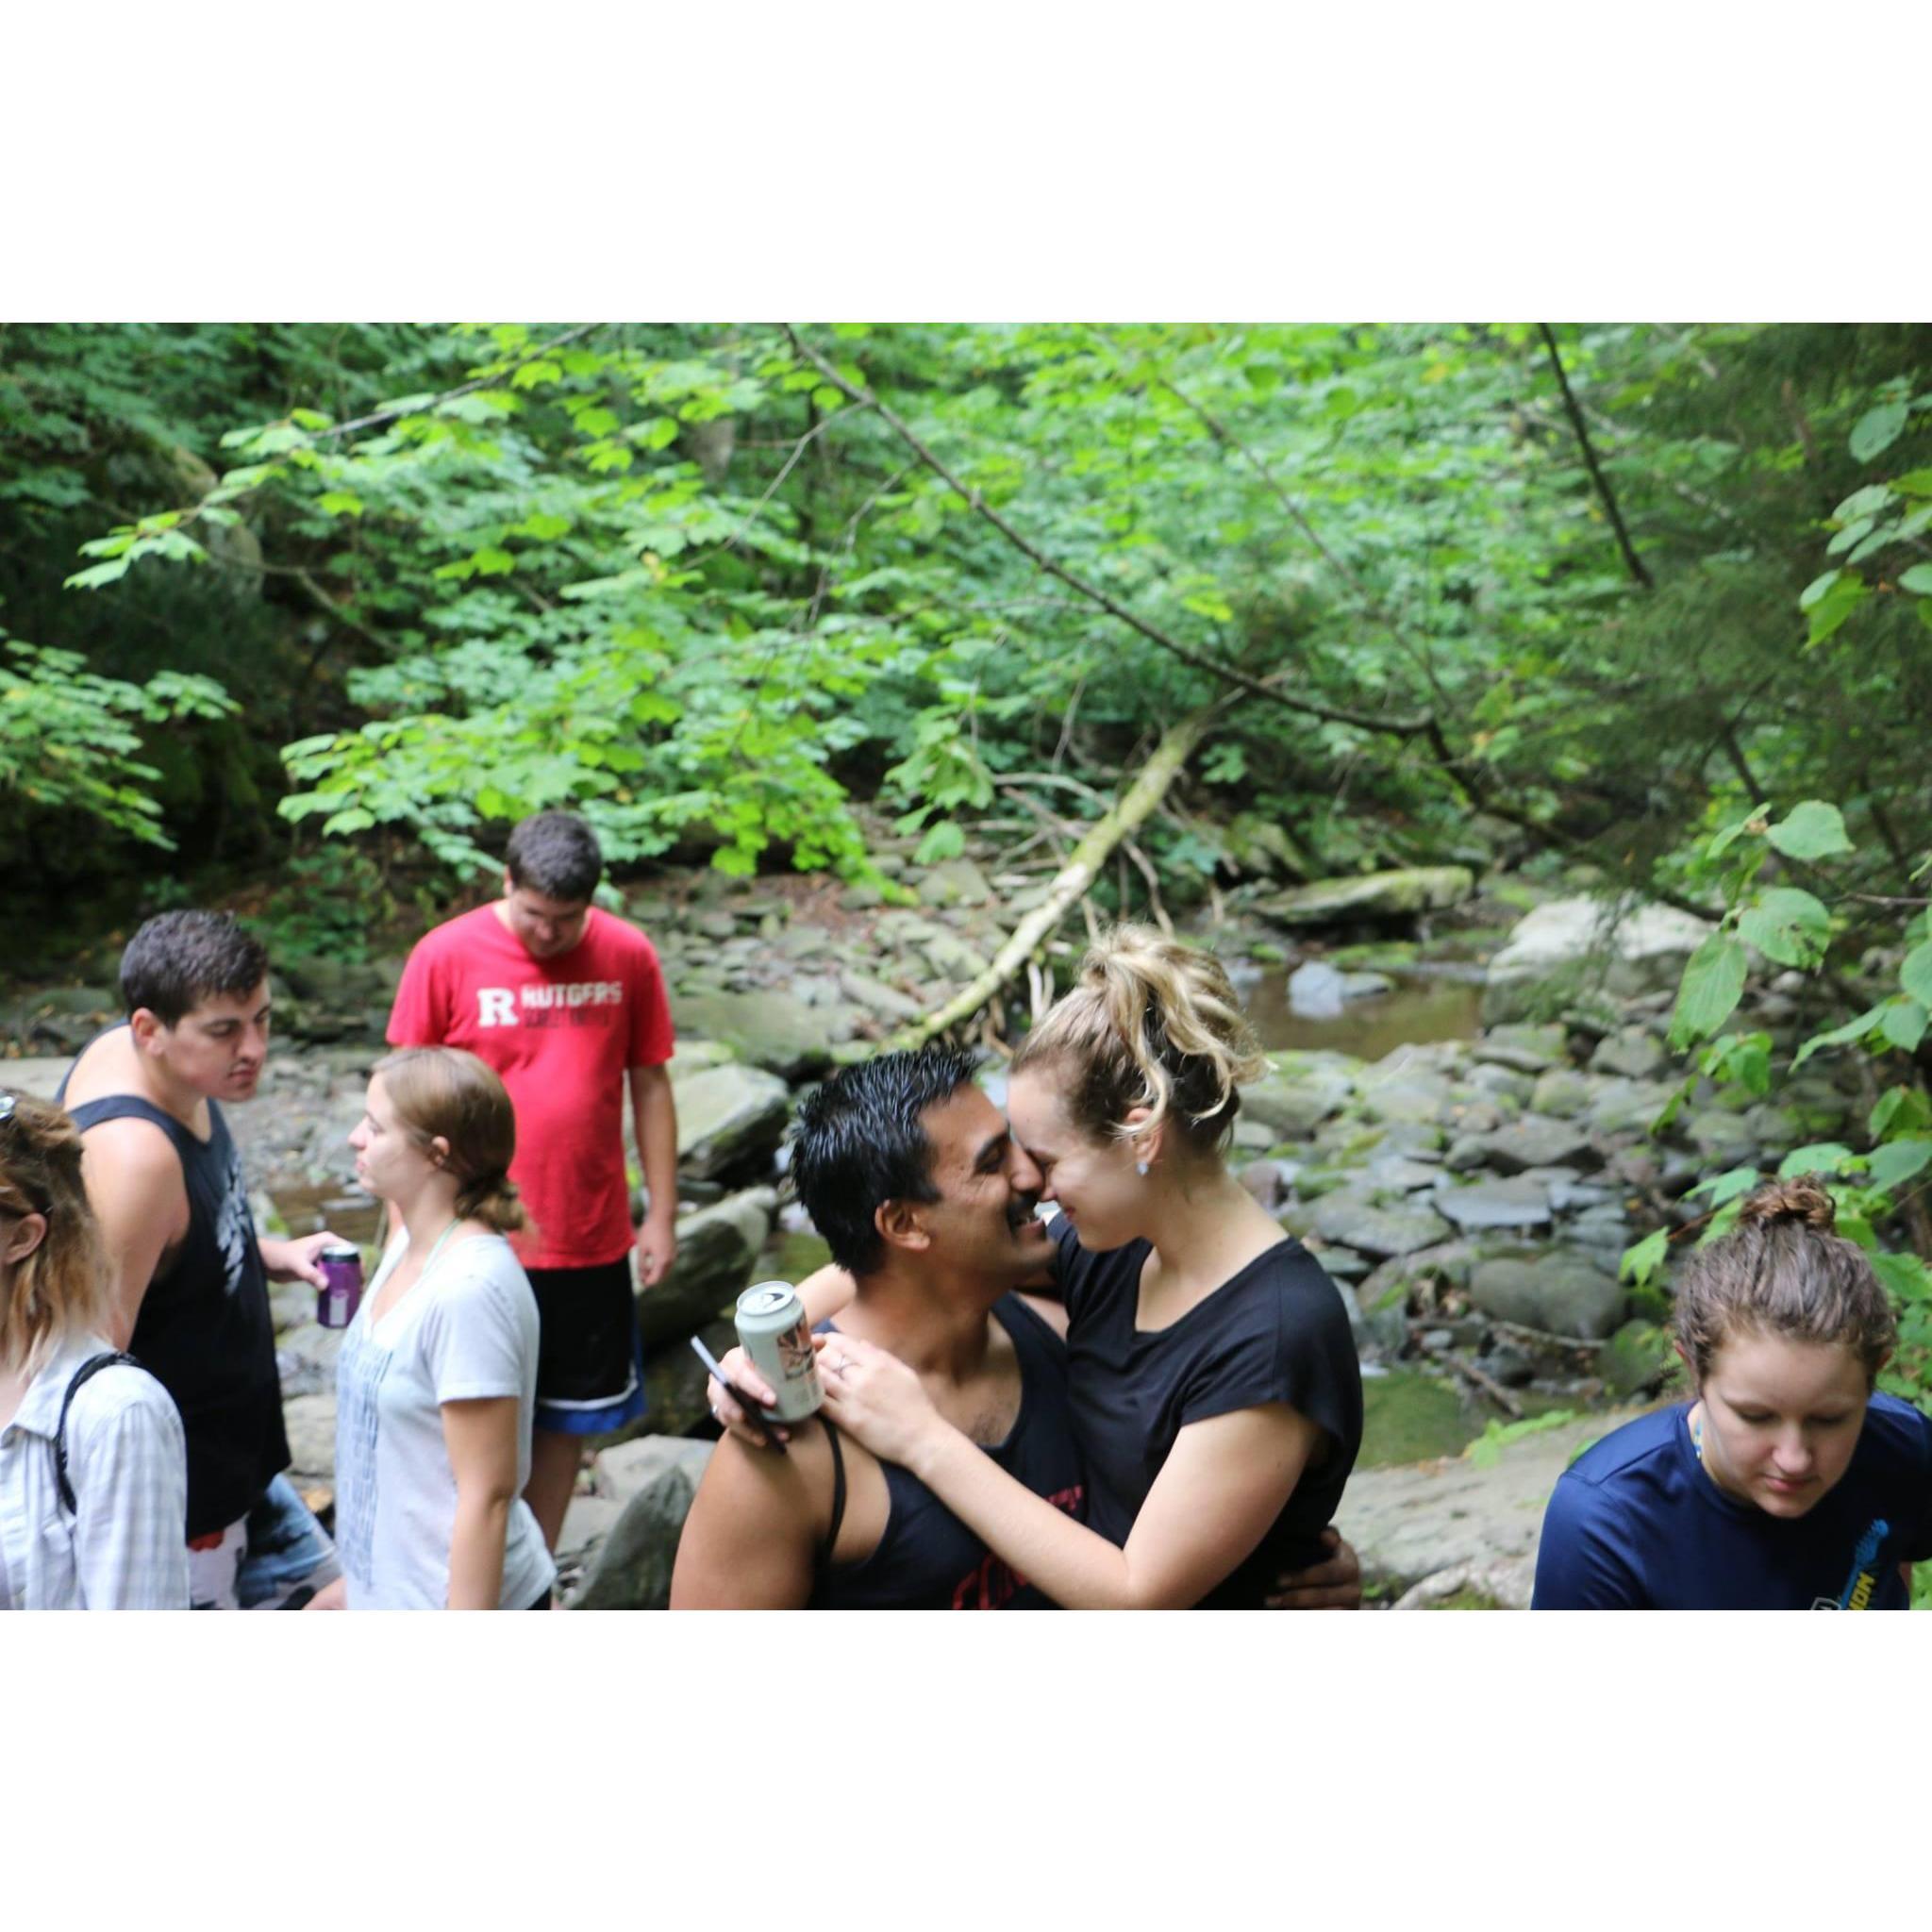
(1140, 1167)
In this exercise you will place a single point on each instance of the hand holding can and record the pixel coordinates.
(341, 1295)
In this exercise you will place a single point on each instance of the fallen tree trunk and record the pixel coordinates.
(1176, 748)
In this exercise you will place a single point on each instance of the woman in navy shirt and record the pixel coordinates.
(1787, 1483)
(1216, 1392)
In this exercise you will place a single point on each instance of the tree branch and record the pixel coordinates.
(1597, 477)
(1255, 686)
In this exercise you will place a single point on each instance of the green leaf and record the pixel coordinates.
(1818, 589)
(353, 819)
(97, 575)
(1905, 1275)
(1713, 984)
(1729, 1185)
(1877, 429)
(1822, 1156)
(341, 503)
(1914, 483)
(1839, 1036)
(1642, 1261)
(1752, 822)
(1835, 605)
(1899, 1160)
(1903, 1024)
(1812, 830)
(1788, 926)
(944, 841)
(1903, 1106)
(492, 562)
(1915, 974)
(1918, 581)
(1865, 503)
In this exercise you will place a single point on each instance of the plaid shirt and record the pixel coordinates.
(127, 1548)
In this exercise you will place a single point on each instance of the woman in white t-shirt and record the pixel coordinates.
(93, 1463)
(437, 1378)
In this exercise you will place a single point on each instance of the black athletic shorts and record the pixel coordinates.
(589, 1360)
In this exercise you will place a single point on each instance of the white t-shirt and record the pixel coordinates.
(466, 1330)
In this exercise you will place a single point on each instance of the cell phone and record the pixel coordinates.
(753, 1410)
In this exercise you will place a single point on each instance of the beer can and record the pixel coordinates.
(772, 1329)
(340, 1292)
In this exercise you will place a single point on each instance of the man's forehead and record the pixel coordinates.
(218, 1006)
(535, 903)
(962, 1124)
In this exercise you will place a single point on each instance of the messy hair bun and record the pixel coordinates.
(1151, 1024)
(1782, 1270)
(1804, 1201)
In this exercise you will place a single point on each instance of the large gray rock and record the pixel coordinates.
(1562, 1094)
(728, 1116)
(1375, 895)
(1629, 1106)
(1355, 1221)
(1488, 1204)
(954, 882)
(631, 1570)
(1634, 1052)
(311, 1421)
(626, 1470)
(1420, 1520)
(1294, 1108)
(1534, 1141)
(1409, 1096)
(1560, 1293)
(770, 1029)
(717, 1250)
(1563, 941)
(1522, 1048)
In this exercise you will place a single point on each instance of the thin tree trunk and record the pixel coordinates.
(1597, 477)
(1176, 748)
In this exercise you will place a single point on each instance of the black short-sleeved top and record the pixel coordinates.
(1275, 1331)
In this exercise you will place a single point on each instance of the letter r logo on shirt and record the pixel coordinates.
(495, 1006)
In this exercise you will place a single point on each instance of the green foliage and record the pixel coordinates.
(1497, 1436)
(70, 739)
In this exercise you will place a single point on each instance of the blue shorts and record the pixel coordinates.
(276, 1559)
(590, 1361)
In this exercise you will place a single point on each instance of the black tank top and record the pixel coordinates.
(928, 1559)
(204, 1331)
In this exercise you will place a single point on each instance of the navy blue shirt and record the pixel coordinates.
(1637, 1525)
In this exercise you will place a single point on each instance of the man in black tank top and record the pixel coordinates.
(190, 1279)
(909, 1173)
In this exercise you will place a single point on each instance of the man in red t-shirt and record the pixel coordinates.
(568, 1004)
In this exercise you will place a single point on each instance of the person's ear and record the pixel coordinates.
(437, 1150)
(900, 1225)
(1145, 1148)
(148, 1028)
(509, 884)
(30, 1231)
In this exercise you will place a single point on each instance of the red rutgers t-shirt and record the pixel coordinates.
(562, 1033)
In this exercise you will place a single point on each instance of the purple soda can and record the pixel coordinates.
(340, 1292)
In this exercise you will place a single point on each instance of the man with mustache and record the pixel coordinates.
(190, 1278)
(913, 1178)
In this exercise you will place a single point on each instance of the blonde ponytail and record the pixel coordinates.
(1151, 1024)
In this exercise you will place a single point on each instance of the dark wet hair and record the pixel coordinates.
(1782, 1270)
(859, 1140)
(556, 854)
(179, 959)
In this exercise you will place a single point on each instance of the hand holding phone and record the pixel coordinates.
(754, 1413)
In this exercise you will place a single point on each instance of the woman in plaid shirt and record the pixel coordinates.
(106, 1530)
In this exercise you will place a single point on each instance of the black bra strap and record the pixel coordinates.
(86, 1373)
(831, 1543)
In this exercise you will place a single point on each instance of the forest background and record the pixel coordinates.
(302, 617)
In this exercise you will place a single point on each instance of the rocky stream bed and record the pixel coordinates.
(1457, 1119)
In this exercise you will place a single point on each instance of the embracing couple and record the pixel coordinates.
(1165, 1420)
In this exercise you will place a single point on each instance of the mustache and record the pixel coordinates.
(1021, 1211)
